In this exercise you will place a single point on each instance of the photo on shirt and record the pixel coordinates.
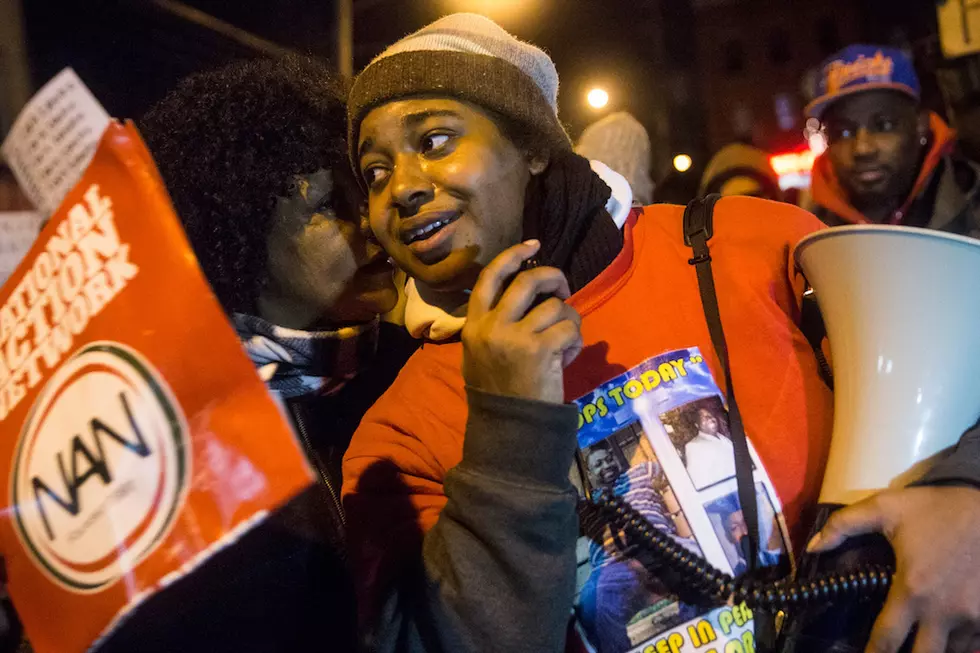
(699, 432)
(625, 451)
(620, 604)
(631, 446)
(728, 521)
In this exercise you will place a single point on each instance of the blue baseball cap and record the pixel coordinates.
(859, 68)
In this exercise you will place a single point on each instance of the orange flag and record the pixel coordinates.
(135, 437)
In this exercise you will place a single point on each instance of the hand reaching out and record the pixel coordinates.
(935, 532)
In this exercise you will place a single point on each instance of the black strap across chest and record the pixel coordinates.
(698, 229)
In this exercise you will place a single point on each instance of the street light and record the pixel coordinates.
(682, 163)
(499, 10)
(597, 98)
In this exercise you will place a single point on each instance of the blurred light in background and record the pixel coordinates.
(792, 162)
(816, 137)
(793, 168)
(682, 162)
(498, 10)
(597, 98)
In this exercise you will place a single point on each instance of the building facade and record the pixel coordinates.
(753, 56)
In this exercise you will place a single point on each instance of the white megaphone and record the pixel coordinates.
(902, 311)
(901, 307)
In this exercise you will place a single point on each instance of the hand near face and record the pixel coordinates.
(935, 532)
(510, 348)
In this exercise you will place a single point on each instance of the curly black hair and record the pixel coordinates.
(228, 142)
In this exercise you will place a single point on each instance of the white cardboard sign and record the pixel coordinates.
(53, 139)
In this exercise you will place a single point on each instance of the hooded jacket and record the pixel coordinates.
(944, 196)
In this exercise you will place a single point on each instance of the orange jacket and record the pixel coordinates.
(645, 303)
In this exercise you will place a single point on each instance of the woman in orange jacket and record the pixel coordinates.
(460, 482)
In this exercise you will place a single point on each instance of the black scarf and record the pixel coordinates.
(565, 208)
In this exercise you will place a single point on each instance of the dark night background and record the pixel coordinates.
(697, 73)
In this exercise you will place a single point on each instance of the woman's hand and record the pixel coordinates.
(510, 348)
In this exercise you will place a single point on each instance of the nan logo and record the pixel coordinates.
(101, 469)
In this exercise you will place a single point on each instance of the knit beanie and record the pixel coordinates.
(465, 57)
(622, 143)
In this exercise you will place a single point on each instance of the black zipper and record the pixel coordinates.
(335, 507)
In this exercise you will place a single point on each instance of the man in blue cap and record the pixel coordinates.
(889, 161)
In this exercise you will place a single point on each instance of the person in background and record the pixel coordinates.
(740, 169)
(469, 176)
(254, 157)
(622, 143)
(959, 81)
(888, 161)
(676, 188)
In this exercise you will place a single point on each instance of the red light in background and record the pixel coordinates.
(792, 163)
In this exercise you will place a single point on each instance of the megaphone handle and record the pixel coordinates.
(843, 625)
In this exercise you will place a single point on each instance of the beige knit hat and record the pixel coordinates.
(467, 57)
(622, 143)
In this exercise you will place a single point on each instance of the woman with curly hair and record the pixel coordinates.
(254, 157)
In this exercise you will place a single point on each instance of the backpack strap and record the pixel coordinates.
(698, 229)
